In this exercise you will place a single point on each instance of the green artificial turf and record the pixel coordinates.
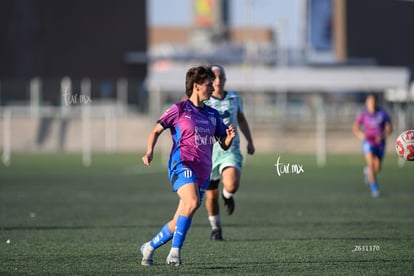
(60, 218)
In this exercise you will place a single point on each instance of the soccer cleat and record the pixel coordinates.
(174, 258)
(229, 204)
(216, 235)
(375, 191)
(147, 252)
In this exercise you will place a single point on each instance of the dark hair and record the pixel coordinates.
(376, 98)
(373, 94)
(199, 75)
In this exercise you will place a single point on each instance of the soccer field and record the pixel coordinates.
(58, 217)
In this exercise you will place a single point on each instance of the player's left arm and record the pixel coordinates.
(388, 126)
(388, 129)
(225, 141)
(245, 129)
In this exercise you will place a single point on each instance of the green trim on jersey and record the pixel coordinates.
(228, 107)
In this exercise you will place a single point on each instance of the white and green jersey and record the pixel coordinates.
(228, 107)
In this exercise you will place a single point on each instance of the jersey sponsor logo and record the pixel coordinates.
(374, 123)
(201, 121)
(203, 140)
(202, 129)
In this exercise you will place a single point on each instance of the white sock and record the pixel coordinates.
(214, 221)
(227, 194)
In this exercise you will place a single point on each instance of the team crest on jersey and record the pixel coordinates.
(213, 121)
(379, 118)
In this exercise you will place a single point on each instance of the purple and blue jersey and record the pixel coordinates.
(194, 131)
(373, 124)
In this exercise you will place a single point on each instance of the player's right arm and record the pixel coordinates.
(356, 129)
(167, 120)
(152, 141)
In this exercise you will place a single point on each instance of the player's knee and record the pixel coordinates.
(213, 184)
(232, 186)
(192, 204)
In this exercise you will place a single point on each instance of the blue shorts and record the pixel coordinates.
(181, 175)
(377, 150)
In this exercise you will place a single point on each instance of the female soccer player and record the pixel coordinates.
(226, 164)
(194, 128)
(376, 127)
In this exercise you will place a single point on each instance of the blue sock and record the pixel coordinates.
(181, 229)
(374, 186)
(162, 237)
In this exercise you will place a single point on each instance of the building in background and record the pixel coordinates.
(50, 40)
(381, 30)
(51, 47)
(373, 32)
(210, 22)
(209, 39)
(334, 32)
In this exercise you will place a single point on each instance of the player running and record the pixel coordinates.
(194, 128)
(226, 164)
(376, 127)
